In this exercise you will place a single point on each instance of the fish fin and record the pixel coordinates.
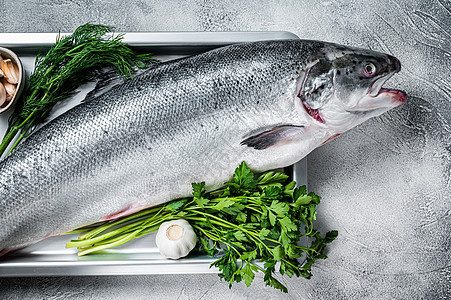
(106, 80)
(331, 138)
(277, 135)
(4, 251)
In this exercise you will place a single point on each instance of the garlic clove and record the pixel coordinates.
(1, 64)
(10, 71)
(10, 89)
(2, 94)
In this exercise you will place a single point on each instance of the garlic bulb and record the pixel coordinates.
(175, 239)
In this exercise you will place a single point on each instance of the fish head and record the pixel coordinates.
(342, 86)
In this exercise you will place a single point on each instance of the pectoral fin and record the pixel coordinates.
(278, 135)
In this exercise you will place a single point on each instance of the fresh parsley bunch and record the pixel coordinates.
(254, 223)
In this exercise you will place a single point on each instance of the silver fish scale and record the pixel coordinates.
(142, 143)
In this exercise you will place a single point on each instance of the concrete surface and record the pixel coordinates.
(385, 184)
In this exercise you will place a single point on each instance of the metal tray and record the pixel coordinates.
(50, 257)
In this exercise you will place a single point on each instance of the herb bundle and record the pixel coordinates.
(70, 62)
(252, 219)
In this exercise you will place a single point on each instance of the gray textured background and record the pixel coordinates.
(385, 184)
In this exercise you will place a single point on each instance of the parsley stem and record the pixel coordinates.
(122, 220)
(252, 235)
(79, 243)
(117, 243)
(289, 263)
(209, 235)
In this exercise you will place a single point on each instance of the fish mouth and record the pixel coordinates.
(398, 97)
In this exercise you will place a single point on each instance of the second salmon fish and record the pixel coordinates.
(196, 119)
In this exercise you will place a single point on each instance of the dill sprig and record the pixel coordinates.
(70, 62)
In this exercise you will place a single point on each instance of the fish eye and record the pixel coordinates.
(369, 69)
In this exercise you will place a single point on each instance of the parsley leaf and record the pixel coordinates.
(248, 274)
(176, 205)
(198, 192)
(272, 177)
(279, 208)
(226, 202)
(243, 179)
(251, 255)
(198, 189)
(240, 236)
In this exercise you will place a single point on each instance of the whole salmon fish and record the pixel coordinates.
(145, 141)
